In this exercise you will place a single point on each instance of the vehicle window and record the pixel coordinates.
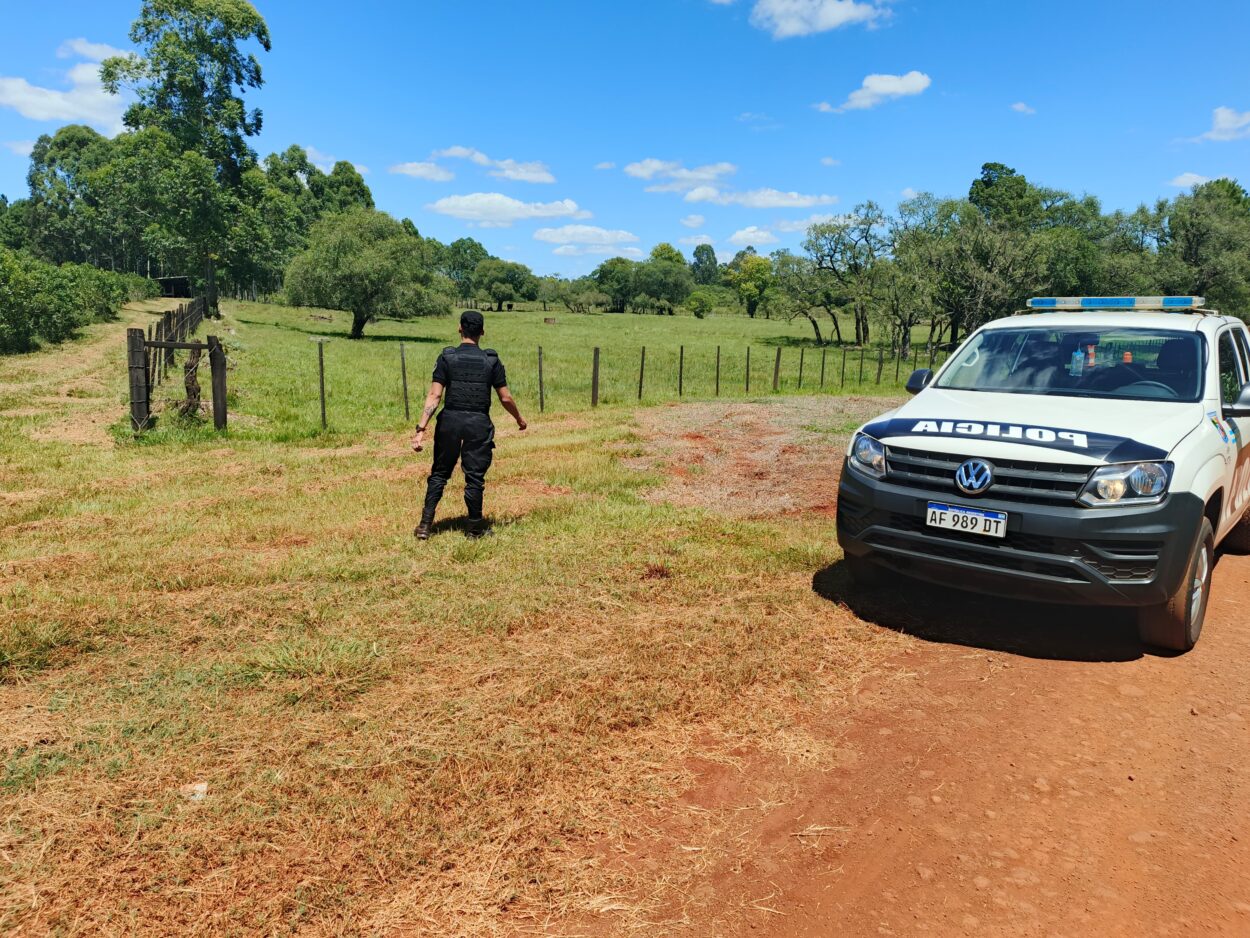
(1124, 363)
(1230, 372)
(1243, 351)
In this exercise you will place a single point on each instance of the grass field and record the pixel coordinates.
(273, 354)
(450, 738)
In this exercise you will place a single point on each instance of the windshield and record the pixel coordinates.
(1133, 364)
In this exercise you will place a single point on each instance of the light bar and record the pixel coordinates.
(1117, 302)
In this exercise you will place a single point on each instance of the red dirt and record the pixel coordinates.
(1034, 771)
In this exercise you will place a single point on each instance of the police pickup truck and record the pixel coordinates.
(1094, 450)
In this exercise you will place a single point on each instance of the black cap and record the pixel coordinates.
(471, 321)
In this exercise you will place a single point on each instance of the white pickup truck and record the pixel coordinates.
(1094, 450)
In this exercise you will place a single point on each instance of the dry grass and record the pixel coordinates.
(449, 738)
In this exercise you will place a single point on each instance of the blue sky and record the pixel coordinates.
(559, 132)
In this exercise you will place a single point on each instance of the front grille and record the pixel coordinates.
(1119, 561)
(1015, 480)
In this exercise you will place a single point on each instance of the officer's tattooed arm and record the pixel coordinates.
(431, 405)
(505, 398)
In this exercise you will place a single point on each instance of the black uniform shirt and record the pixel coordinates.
(496, 376)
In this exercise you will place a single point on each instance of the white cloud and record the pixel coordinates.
(533, 171)
(1189, 180)
(752, 234)
(696, 240)
(679, 178)
(584, 234)
(788, 18)
(909, 193)
(878, 89)
(829, 161)
(1021, 108)
(429, 171)
(496, 210)
(91, 51)
(322, 160)
(1227, 124)
(606, 164)
(85, 101)
(693, 221)
(802, 224)
(749, 117)
(20, 147)
(759, 198)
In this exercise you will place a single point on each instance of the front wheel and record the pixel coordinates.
(1177, 623)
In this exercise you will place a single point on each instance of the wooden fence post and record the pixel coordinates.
(403, 374)
(823, 353)
(880, 363)
(915, 357)
(681, 369)
(542, 394)
(843, 368)
(217, 365)
(191, 382)
(139, 412)
(802, 349)
(169, 335)
(321, 375)
(777, 369)
(748, 369)
(898, 363)
(861, 364)
(718, 371)
(642, 370)
(594, 380)
(932, 350)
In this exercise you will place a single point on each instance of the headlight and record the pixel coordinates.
(868, 455)
(1132, 483)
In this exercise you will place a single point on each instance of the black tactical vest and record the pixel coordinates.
(469, 373)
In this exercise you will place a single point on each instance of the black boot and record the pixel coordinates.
(422, 530)
(476, 529)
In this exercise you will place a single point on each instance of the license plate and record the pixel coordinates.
(970, 520)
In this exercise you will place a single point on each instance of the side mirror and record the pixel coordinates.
(1240, 407)
(918, 380)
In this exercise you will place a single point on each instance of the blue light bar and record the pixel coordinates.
(1117, 302)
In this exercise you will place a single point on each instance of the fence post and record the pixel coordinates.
(718, 371)
(594, 380)
(880, 363)
(139, 413)
(321, 376)
(542, 393)
(217, 365)
(777, 369)
(843, 368)
(642, 370)
(802, 349)
(898, 363)
(403, 374)
(681, 370)
(823, 353)
(915, 357)
(748, 369)
(861, 364)
(169, 335)
(932, 350)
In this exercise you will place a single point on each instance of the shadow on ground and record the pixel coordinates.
(953, 617)
(331, 333)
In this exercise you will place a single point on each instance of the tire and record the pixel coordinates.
(1176, 624)
(864, 572)
(1238, 539)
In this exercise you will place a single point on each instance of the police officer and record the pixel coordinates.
(465, 375)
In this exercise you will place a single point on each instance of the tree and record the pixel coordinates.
(799, 288)
(849, 250)
(668, 282)
(700, 303)
(667, 253)
(704, 268)
(750, 280)
(504, 281)
(1206, 250)
(188, 80)
(460, 260)
(364, 262)
(551, 290)
(615, 278)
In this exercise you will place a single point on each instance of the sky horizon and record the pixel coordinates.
(561, 135)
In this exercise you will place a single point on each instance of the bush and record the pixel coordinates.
(700, 302)
(43, 301)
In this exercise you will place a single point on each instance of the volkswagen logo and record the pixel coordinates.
(974, 476)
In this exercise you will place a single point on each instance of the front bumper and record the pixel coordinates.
(1068, 554)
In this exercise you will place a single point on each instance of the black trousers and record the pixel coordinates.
(469, 438)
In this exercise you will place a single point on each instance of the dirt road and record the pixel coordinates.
(1019, 770)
